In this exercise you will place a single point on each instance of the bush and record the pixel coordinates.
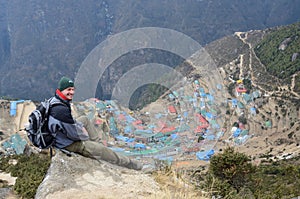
(217, 187)
(232, 167)
(30, 171)
(243, 120)
(231, 175)
(277, 180)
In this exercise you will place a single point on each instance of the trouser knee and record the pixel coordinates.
(83, 119)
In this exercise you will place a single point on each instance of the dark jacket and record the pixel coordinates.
(62, 125)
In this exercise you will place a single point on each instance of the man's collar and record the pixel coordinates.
(61, 95)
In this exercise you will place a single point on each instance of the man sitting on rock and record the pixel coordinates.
(80, 135)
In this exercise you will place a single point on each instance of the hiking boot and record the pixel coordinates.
(135, 165)
(148, 169)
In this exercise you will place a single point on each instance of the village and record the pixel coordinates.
(183, 127)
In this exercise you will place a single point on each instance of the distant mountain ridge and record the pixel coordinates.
(41, 41)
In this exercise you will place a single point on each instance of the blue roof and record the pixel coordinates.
(209, 115)
(210, 97)
(205, 155)
(234, 101)
(171, 96)
(219, 86)
(202, 94)
(140, 146)
(237, 132)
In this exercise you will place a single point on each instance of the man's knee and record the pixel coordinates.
(83, 119)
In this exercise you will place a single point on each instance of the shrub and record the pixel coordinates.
(243, 119)
(232, 167)
(30, 171)
(217, 187)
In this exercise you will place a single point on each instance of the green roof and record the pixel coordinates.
(268, 123)
(240, 105)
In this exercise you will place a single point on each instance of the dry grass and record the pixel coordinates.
(175, 185)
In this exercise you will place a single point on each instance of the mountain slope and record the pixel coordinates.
(274, 127)
(41, 41)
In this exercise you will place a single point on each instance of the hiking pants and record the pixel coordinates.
(98, 151)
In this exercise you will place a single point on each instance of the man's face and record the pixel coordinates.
(69, 92)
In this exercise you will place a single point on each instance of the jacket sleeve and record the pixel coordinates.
(74, 131)
(68, 126)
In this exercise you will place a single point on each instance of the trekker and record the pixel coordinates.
(80, 136)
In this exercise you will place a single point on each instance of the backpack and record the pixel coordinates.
(37, 129)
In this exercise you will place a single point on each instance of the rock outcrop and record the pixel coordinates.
(80, 177)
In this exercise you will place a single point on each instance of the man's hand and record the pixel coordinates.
(85, 131)
(104, 142)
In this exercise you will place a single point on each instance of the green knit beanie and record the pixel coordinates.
(64, 83)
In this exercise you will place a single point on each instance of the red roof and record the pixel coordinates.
(201, 118)
(241, 90)
(160, 126)
(136, 122)
(98, 121)
(139, 127)
(172, 109)
(168, 129)
(122, 117)
(200, 128)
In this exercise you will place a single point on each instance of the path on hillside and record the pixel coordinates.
(244, 40)
(241, 66)
(293, 83)
(253, 79)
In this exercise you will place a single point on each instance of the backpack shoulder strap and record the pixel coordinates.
(49, 103)
(53, 101)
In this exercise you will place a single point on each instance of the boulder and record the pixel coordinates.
(80, 177)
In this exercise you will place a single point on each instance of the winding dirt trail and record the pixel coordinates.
(253, 79)
(244, 40)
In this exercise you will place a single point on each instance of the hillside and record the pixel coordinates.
(274, 126)
(41, 41)
(279, 52)
(227, 98)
